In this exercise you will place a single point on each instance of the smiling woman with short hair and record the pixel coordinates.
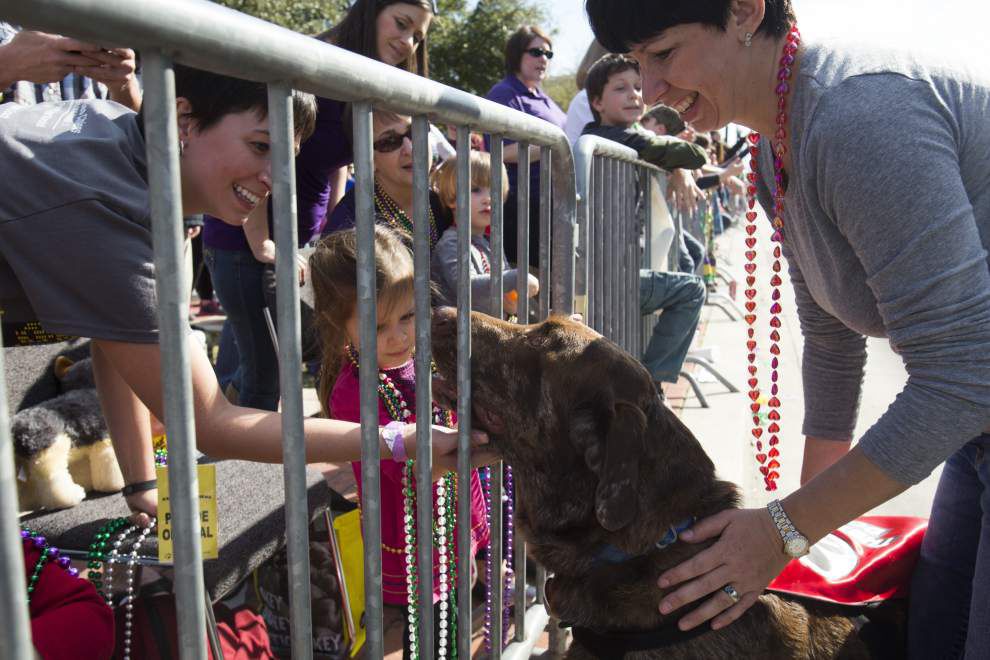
(873, 166)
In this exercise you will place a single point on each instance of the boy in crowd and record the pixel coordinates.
(616, 99)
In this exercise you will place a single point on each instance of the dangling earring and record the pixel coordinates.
(182, 148)
(749, 39)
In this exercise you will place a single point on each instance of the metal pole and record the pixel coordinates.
(13, 596)
(371, 512)
(424, 386)
(545, 234)
(464, 390)
(623, 234)
(495, 550)
(522, 255)
(290, 364)
(161, 134)
(598, 244)
(647, 262)
(522, 228)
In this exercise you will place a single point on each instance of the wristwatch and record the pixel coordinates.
(795, 543)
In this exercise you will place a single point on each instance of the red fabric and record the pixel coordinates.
(869, 560)
(69, 619)
(243, 634)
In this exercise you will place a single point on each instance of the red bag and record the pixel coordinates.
(870, 560)
(243, 634)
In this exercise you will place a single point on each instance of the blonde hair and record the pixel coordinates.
(333, 272)
(445, 177)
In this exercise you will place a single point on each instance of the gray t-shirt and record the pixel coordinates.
(75, 239)
(444, 271)
(887, 225)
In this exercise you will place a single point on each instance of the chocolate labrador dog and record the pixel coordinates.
(605, 475)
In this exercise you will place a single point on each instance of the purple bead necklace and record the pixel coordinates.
(48, 553)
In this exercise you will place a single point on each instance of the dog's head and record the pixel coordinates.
(558, 396)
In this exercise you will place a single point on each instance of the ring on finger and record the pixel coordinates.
(731, 592)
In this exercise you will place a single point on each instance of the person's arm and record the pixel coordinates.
(226, 431)
(256, 232)
(40, 57)
(338, 186)
(924, 263)
(510, 153)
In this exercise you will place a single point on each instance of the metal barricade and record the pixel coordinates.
(618, 196)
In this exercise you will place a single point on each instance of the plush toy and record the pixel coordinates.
(62, 445)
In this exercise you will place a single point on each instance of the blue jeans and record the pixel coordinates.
(950, 589)
(681, 297)
(237, 279)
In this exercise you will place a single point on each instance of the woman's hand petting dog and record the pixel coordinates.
(747, 555)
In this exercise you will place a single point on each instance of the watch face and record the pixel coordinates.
(796, 546)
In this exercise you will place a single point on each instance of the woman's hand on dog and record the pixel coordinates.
(747, 555)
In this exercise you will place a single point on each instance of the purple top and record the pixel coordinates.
(326, 150)
(512, 92)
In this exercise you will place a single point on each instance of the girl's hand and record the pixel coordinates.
(144, 507)
(445, 448)
(747, 555)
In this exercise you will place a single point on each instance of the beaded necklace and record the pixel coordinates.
(508, 583)
(443, 529)
(768, 460)
(46, 554)
(396, 217)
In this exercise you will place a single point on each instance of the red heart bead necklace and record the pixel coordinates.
(768, 456)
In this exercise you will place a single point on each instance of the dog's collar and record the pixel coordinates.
(615, 645)
(609, 554)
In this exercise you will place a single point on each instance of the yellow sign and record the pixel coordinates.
(208, 520)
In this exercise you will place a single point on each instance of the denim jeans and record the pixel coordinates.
(681, 297)
(237, 279)
(950, 589)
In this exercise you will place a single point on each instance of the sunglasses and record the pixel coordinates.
(391, 142)
(539, 52)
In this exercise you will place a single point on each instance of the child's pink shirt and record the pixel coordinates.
(345, 404)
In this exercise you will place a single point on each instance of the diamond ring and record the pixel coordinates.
(731, 592)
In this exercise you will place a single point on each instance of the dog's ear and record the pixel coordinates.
(612, 444)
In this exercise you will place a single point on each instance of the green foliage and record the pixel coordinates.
(467, 45)
(305, 16)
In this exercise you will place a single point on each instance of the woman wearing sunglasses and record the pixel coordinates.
(241, 261)
(527, 56)
(392, 145)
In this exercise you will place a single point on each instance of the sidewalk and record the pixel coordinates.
(724, 428)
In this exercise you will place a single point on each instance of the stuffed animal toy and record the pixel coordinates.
(62, 446)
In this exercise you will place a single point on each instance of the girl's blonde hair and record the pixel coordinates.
(445, 178)
(333, 272)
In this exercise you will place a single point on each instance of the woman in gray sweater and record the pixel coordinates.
(885, 207)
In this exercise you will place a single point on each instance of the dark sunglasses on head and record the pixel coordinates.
(391, 142)
(539, 52)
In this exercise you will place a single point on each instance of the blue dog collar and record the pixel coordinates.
(610, 554)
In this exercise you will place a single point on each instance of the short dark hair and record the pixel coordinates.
(666, 116)
(358, 33)
(518, 43)
(620, 25)
(213, 96)
(601, 72)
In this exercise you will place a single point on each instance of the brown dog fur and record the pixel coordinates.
(598, 459)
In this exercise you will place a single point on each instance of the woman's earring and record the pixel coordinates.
(182, 148)
(749, 39)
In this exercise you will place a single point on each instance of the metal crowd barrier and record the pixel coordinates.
(618, 199)
(207, 36)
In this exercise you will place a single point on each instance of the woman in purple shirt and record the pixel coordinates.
(527, 55)
(240, 261)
